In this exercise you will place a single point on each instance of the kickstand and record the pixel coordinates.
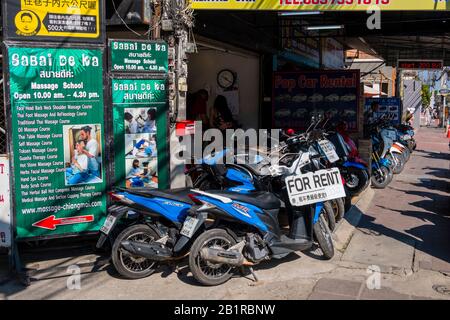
(253, 274)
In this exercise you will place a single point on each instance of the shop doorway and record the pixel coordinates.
(231, 72)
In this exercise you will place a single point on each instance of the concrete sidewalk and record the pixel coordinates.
(404, 233)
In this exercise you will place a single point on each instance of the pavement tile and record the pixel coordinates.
(383, 294)
(329, 296)
(336, 286)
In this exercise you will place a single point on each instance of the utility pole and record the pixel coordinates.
(176, 21)
(444, 104)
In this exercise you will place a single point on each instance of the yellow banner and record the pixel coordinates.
(321, 5)
(57, 18)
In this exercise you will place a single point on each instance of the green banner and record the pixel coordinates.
(140, 133)
(138, 56)
(57, 135)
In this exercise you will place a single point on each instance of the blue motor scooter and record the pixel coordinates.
(246, 232)
(145, 227)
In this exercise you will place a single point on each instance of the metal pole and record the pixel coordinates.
(443, 111)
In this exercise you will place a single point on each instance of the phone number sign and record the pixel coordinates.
(322, 5)
(67, 20)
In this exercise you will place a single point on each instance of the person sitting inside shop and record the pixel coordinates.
(77, 172)
(221, 117)
(197, 109)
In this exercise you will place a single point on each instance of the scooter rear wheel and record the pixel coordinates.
(356, 180)
(338, 209)
(205, 272)
(128, 265)
(329, 215)
(400, 163)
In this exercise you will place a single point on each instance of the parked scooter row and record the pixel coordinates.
(222, 229)
(392, 147)
(229, 219)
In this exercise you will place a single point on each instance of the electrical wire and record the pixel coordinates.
(150, 28)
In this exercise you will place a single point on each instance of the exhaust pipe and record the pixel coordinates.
(232, 258)
(153, 251)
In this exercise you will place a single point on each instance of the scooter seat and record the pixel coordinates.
(180, 194)
(261, 199)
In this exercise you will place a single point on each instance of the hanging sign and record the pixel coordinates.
(54, 20)
(5, 205)
(57, 134)
(300, 96)
(140, 125)
(322, 5)
(420, 64)
(138, 56)
(391, 107)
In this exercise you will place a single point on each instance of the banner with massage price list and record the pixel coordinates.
(57, 120)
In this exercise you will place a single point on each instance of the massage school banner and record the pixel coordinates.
(322, 5)
(58, 128)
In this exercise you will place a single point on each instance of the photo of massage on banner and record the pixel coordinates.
(82, 154)
(141, 163)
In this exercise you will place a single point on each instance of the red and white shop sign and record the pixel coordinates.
(5, 208)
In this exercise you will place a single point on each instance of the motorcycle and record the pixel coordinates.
(246, 231)
(146, 227)
(382, 173)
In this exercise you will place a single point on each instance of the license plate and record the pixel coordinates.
(328, 148)
(313, 187)
(108, 224)
(189, 227)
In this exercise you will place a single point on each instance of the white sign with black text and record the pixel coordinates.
(313, 187)
(329, 150)
(5, 216)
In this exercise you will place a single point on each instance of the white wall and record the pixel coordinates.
(203, 68)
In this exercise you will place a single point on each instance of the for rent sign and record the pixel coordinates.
(313, 187)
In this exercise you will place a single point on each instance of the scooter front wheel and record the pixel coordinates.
(323, 236)
(381, 177)
(206, 272)
(128, 265)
